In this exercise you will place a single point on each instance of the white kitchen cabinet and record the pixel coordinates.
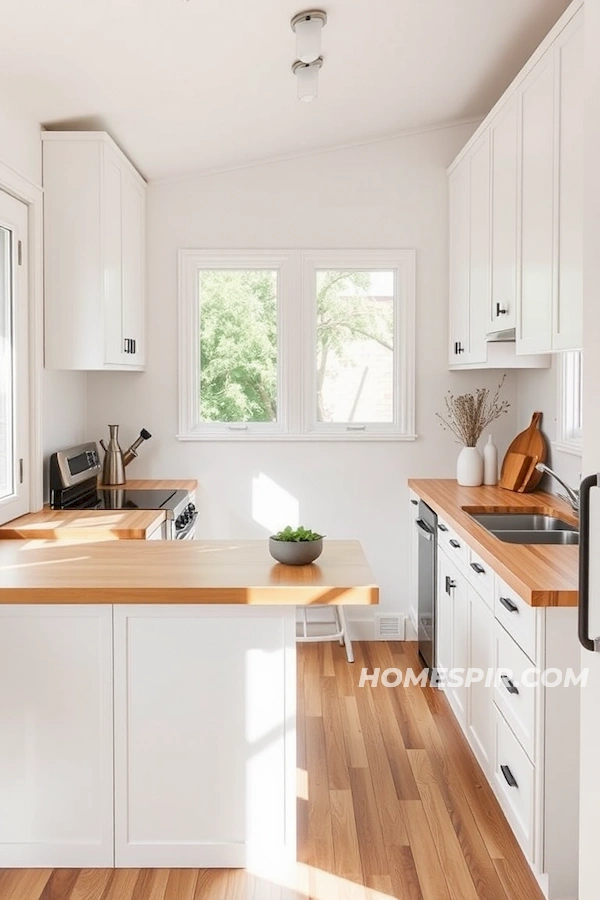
(204, 749)
(567, 326)
(480, 720)
(56, 747)
(504, 140)
(537, 289)
(523, 733)
(533, 232)
(94, 269)
(413, 537)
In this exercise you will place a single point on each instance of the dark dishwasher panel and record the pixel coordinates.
(426, 525)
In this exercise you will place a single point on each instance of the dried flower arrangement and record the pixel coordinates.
(468, 415)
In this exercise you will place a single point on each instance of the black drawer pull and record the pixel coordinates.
(415, 502)
(509, 685)
(509, 777)
(508, 604)
(442, 528)
(450, 584)
(500, 311)
(477, 568)
(454, 544)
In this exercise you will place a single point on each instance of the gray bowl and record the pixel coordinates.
(295, 553)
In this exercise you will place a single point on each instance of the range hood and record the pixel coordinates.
(497, 337)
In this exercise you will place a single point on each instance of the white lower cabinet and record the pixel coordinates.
(480, 722)
(524, 732)
(204, 734)
(56, 744)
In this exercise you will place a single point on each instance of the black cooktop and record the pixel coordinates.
(88, 496)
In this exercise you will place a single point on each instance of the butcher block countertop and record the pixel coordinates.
(542, 574)
(96, 524)
(239, 572)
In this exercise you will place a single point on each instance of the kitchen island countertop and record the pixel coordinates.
(204, 572)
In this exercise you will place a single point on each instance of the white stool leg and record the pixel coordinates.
(338, 624)
(347, 641)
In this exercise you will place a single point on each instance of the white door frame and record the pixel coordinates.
(31, 194)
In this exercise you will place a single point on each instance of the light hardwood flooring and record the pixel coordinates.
(392, 804)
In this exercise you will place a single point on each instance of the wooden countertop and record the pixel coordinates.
(180, 572)
(542, 574)
(96, 524)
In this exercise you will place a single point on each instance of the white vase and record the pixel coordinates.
(490, 462)
(469, 467)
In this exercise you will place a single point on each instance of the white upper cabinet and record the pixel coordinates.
(534, 329)
(94, 232)
(470, 256)
(504, 140)
(567, 323)
(516, 239)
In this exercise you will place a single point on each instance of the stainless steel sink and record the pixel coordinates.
(521, 522)
(538, 537)
(528, 528)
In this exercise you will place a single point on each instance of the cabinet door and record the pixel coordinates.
(56, 776)
(448, 578)
(112, 230)
(568, 313)
(479, 259)
(133, 229)
(504, 136)
(458, 692)
(413, 537)
(481, 694)
(534, 331)
(205, 738)
(459, 262)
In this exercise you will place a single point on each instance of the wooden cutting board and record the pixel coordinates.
(515, 469)
(530, 442)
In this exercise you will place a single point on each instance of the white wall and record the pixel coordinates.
(538, 390)
(389, 194)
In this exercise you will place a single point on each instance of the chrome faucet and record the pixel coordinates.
(572, 495)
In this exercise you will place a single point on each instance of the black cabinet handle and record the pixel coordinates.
(458, 348)
(509, 685)
(442, 528)
(477, 568)
(415, 502)
(508, 604)
(583, 619)
(450, 584)
(500, 311)
(126, 345)
(454, 543)
(509, 777)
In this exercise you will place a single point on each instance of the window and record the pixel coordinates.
(570, 411)
(13, 359)
(296, 344)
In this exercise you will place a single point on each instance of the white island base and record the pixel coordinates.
(147, 735)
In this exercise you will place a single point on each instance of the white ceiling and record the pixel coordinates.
(188, 86)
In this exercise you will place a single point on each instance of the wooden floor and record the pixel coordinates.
(391, 805)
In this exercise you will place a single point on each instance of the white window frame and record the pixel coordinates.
(402, 264)
(297, 347)
(191, 263)
(570, 384)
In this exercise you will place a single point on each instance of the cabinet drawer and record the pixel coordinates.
(514, 783)
(517, 616)
(516, 701)
(481, 576)
(454, 546)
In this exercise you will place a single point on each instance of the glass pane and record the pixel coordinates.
(238, 345)
(355, 346)
(6, 369)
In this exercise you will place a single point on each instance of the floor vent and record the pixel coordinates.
(389, 627)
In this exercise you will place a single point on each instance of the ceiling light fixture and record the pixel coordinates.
(307, 27)
(308, 78)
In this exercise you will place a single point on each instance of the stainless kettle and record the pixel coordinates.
(113, 471)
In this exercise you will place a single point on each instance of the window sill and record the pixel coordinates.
(361, 436)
